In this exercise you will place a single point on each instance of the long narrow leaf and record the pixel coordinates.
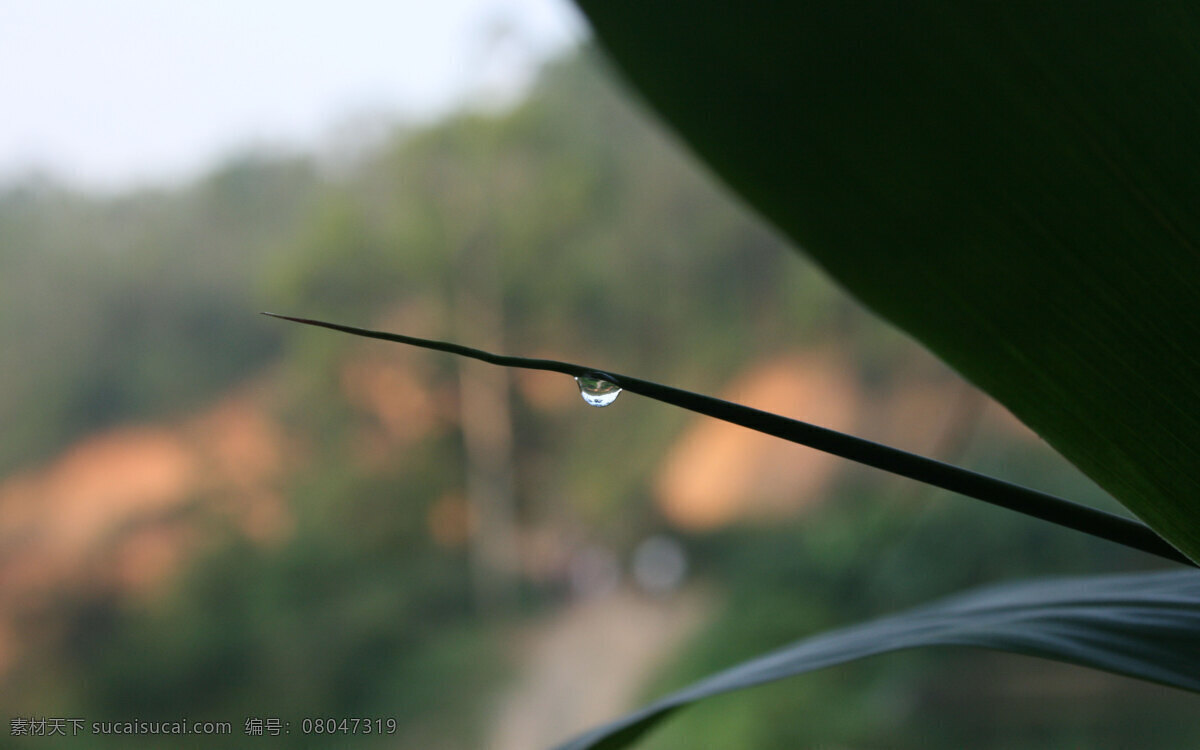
(1144, 625)
(979, 486)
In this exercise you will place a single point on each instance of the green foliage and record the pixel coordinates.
(1143, 625)
(856, 560)
(358, 614)
(130, 307)
(153, 315)
(1013, 184)
(608, 246)
(1003, 183)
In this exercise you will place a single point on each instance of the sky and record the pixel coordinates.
(116, 94)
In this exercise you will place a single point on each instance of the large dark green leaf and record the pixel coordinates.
(1145, 625)
(1017, 184)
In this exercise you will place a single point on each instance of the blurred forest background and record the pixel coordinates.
(212, 515)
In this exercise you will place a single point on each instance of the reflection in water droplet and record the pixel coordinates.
(597, 392)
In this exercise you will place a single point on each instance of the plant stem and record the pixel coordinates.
(1031, 502)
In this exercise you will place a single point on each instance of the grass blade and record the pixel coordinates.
(972, 484)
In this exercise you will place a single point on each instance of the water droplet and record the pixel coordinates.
(598, 392)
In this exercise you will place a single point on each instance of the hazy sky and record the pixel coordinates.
(113, 93)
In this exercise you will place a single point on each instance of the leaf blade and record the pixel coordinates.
(1145, 626)
(946, 476)
(1012, 183)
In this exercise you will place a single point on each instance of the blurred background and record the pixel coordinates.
(210, 515)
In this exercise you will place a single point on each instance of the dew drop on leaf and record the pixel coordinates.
(598, 392)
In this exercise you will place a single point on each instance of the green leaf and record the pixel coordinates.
(1015, 184)
(1143, 625)
(979, 486)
